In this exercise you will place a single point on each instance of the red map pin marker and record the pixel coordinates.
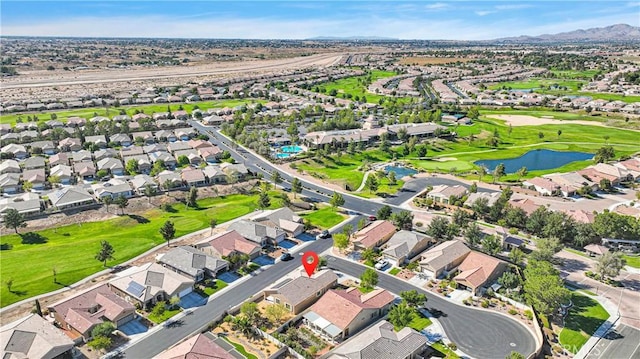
(310, 262)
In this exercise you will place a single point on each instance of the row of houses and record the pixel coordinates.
(420, 130)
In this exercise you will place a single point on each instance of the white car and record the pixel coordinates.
(381, 264)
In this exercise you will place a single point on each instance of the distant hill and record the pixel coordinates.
(617, 33)
(353, 38)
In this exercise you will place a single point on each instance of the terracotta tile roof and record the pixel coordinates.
(477, 268)
(526, 204)
(200, 346)
(580, 215)
(596, 248)
(230, 241)
(373, 233)
(341, 307)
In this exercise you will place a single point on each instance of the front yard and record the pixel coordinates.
(324, 218)
(583, 320)
(211, 287)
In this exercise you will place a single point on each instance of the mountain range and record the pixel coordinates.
(616, 33)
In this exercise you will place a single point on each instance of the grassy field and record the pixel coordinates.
(573, 74)
(584, 318)
(218, 285)
(384, 188)
(632, 261)
(537, 83)
(355, 86)
(324, 218)
(71, 249)
(419, 322)
(395, 271)
(87, 113)
(444, 350)
(168, 313)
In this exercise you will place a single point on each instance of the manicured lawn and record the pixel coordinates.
(419, 322)
(444, 350)
(574, 74)
(355, 86)
(250, 267)
(538, 83)
(71, 249)
(216, 286)
(324, 218)
(165, 315)
(395, 271)
(584, 318)
(384, 189)
(130, 110)
(632, 261)
(240, 348)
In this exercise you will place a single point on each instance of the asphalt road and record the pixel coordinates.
(622, 343)
(481, 334)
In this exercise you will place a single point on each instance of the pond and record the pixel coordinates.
(536, 160)
(400, 171)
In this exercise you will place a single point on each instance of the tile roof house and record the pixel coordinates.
(169, 161)
(214, 174)
(235, 171)
(114, 188)
(492, 197)
(9, 166)
(63, 172)
(200, 346)
(339, 314)
(596, 176)
(283, 218)
(18, 151)
(299, 293)
(479, 270)
(113, 165)
(193, 177)
(47, 147)
(27, 203)
(373, 235)
(580, 215)
(404, 245)
(258, 233)
(81, 156)
(210, 154)
(10, 182)
(154, 147)
(144, 164)
(191, 154)
(632, 165)
(81, 313)
(152, 283)
(59, 159)
(105, 153)
(621, 174)
(170, 178)
(98, 140)
(139, 183)
(228, 244)
(595, 250)
(36, 177)
(34, 162)
(381, 341)
(548, 187)
(526, 204)
(70, 144)
(121, 139)
(443, 193)
(70, 197)
(34, 337)
(85, 169)
(193, 263)
(443, 258)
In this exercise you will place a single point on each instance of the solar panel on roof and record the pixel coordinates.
(135, 288)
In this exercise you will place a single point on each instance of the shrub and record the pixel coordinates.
(485, 304)
(528, 314)
(453, 284)
(419, 224)
(513, 311)
(452, 346)
(228, 318)
(545, 321)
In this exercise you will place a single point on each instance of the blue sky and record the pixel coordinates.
(463, 20)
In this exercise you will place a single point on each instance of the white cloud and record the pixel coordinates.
(513, 6)
(484, 12)
(436, 6)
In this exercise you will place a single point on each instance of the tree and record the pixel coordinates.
(368, 279)
(336, 200)
(422, 151)
(276, 177)
(473, 188)
(413, 298)
(498, 172)
(515, 217)
(340, 241)
(543, 287)
(263, 200)
(371, 183)
(537, 220)
(402, 219)
(132, 167)
(159, 309)
(362, 223)
(149, 191)
(509, 280)
(174, 301)
(523, 171)
(250, 310)
(384, 212)
(368, 254)
(491, 244)
(516, 256)
(515, 355)
(192, 197)
(100, 343)
(546, 249)
(275, 312)
(401, 315)
(296, 186)
(559, 133)
(14, 219)
(122, 202)
(473, 235)
(473, 113)
(540, 135)
(438, 227)
(460, 217)
(392, 178)
(481, 206)
(604, 154)
(168, 231)
(212, 224)
(105, 253)
(183, 160)
(609, 264)
(103, 329)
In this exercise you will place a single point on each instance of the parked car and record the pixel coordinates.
(372, 218)
(286, 256)
(323, 234)
(381, 264)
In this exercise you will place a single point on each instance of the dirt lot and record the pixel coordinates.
(524, 120)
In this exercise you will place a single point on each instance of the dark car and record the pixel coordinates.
(286, 257)
(372, 218)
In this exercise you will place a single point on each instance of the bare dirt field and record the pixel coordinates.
(524, 120)
(432, 60)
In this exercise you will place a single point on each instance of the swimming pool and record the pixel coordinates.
(291, 149)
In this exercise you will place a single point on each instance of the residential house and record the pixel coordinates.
(144, 164)
(152, 283)
(143, 137)
(404, 245)
(27, 204)
(166, 135)
(526, 204)
(339, 314)
(444, 194)
(234, 172)
(596, 176)
(131, 151)
(443, 258)
(621, 174)
(36, 177)
(580, 215)
(70, 144)
(632, 165)
(297, 294)
(17, 151)
(210, 154)
(59, 159)
(170, 179)
(62, 172)
(81, 156)
(228, 244)
(173, 147)
(10, 182)
(548, 187)
(113, 165)
(140, 183)
(193, 263)
(9, 166)
(192, 155)
(46, 147)
(197, 144)
(27, 136)
(70, 197)
(381, 341)
(154, 147)
(193, 177)
(478, 271)
(85, 170)
(200, 346)
(34, 337)
(185, 134)
(168, 160)
(214, 174)
(114, 188)
(374, 235)
(81, 313)
(105, 153)
(35, 162)
(121, 139)
(98, 140)
(572, 180)
(595, 250)
(258, 233)
(282, 218)
(492, 198)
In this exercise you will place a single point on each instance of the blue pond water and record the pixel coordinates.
(400, 171)
(536, 160)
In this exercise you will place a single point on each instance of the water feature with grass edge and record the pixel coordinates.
(400, 171)
(536, 160)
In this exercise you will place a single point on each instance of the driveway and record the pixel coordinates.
(626, 298)
(133, 327)
(229, 277)
(623, 342)
(306, 237)
(264, 260)
(192, 300)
